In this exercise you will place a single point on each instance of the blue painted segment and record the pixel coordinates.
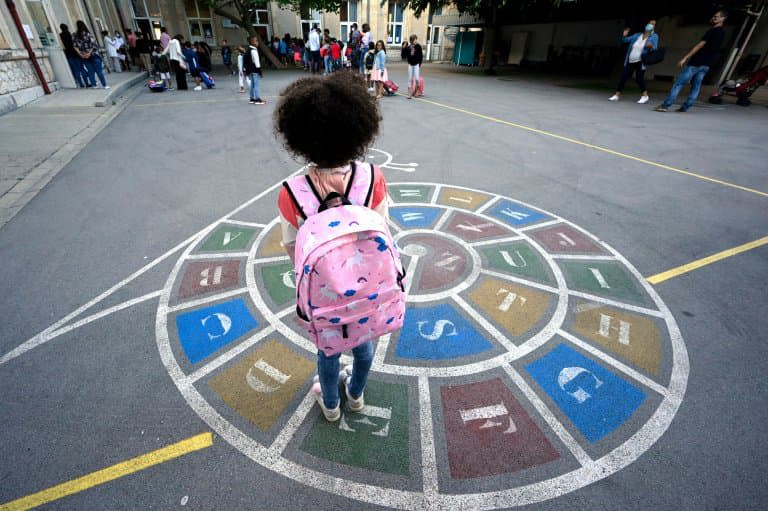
(414, 217)
(593, 398)
(204, 331)
(515, 214)
(438, 333)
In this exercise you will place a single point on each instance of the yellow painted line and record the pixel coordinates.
(675, 272)
(597, 148)
(105, 475)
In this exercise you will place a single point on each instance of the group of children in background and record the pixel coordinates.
(198, 60)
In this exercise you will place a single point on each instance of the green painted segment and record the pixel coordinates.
(587, 276)
(410, 193)
(517, 258)
(374, 439)
(228, 238)
(280, 282)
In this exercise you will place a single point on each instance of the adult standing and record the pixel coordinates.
(695, 64)
(639, 44)
(120, 44)
(133, 51)
(354, 44)
(178, 64)
(314, 49)
(85, 46)
(112, 54)
(165, 39)
(75, 63)
(252, 67)
(365, 39)
(414, 56)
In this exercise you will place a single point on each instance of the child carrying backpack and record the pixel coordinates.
(349, 278)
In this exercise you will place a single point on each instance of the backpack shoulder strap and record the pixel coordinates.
(304, 195)
(360, 186)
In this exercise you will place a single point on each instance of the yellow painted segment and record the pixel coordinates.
(105, 475)
(694, 265)
(272, 245)
(597, 148)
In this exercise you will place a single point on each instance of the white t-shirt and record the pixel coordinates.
(637, 50)
(314, 41)
(365, 40)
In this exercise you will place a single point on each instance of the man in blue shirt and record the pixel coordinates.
(696, 63)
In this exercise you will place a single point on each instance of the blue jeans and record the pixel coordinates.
(328, 371)
(255, 79)
(78, 71)
(697, 73)
(327, 62)
(94, 67)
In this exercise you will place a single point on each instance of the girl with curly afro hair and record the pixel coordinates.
(330, 122)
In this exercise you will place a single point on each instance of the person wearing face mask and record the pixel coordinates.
(695, 64)
(639, 43)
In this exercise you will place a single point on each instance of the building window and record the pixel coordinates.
(199, 19)
(395, 23)
(261, 24)
(41, 23)
(309, 18)
(146, 8)
(347, 15)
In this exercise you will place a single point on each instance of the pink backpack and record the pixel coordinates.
(350, 284)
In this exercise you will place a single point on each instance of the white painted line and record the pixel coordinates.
(393, 226)
(496, 241)
(229, 355)
(540, 225)
(518, 280)
(245, 224)
(266, 260)
(485, 207)
(573, 446)
(436, 195)
(104, 313)
(615, 303)
(443, 219)
(487, 326)
(428, 455)
(294, 423)
(207, 299)
(583, 257)
(219, 255)
(381, 351)
(659, 389)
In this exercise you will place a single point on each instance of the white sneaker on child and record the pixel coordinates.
(330, 415)
(643, 100)
(199, 87)
(615, 97)
(354, 405)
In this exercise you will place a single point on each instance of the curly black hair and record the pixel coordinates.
(329, 121)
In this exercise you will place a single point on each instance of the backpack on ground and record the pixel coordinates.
(390, 87)
(207, 80)
(420, 86)
(350, 283)
(157, 86)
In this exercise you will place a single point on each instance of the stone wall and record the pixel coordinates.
(18, 81)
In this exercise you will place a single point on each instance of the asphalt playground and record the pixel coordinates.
(569, 341)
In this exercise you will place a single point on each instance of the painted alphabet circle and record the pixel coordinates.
(534, 358)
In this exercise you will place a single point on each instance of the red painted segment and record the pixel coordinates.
(563, 238)
(489, 433)
(208, 276)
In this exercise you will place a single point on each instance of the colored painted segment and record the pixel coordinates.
(465, 199)
(515, 214)
(410, 193)
(374, 439)
(517, 258)
(516, 308)
(228, 238)
(595, 400)
(443, 265)
(438, 333)
(108, 474)
(631, 337)
(414, 217)
(261, 385)
(272, 246)
(473, 228)
(207, 276)
(489, 433)
(602, 278)
(280, 281)
(204, 331)
(564, 239)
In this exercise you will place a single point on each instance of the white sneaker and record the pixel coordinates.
(199, 87)
(330, 415)
(354, 405)
(106, 86)
(615, 97)
(643, 100)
